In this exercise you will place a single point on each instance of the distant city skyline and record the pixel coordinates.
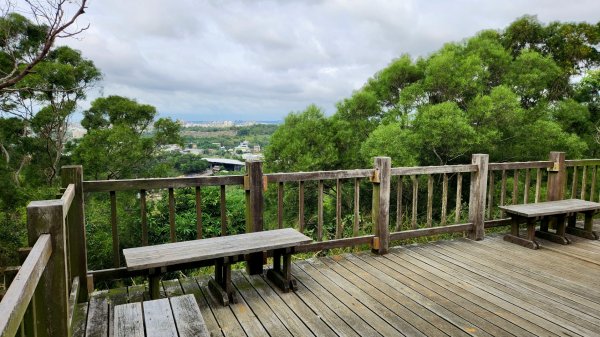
(246, 60)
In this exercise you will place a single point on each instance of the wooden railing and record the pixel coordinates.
(422, 201)
(41, 298)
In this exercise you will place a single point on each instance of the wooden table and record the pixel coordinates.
(177, 316)
(224, 250)
(551, 213)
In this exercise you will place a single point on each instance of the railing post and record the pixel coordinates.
(52, 293)
(381, 204)
(557, 176)
(478, 192)
(253, 184)
(76, 227)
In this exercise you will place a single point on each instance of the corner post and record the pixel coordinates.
(557, 176)
(253, 184)
(52, 293)
(381, 204)
(478, 192)
(73, 174)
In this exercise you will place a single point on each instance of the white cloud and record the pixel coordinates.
(259, 60)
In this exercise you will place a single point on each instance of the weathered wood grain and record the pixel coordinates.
(159, 183)
(381, 204)
(144, 217)
(320, 211)
(301, 206)
(356, 226)
(172, 233)
(115, 230)
(421, 232)
(280, 205)
(429, 200)
(458, 206)
(519, 165)
(158, 318)
(552, 208)
(422, 170)
(188, 317)
(415, 200)
(206, 249)
(128, 320)
(477, 196)
(318, 175)
(20, 292)
(198, 207)
(339, 230)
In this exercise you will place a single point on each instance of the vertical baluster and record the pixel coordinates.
(399, 205)
(198, 213)
(503, 192)
(301, 206)
(115, 231)
(593, 187)
(172, 214)
(538, 185)
(458, 197)
(515, 191)
(339, 229)
(280, 205)
(144, 217)
(429, 200)
(444, 199)
(415, 191)
(320, 212)
(223, 212)
(574, 183)
(491, 190)
(355, 230)
(583, 182)
(527, 183)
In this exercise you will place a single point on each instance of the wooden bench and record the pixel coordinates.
(168, 317)
(551, 213)
(224, 251)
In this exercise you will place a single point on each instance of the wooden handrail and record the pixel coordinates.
(419, 170)
(519, 165)
(159, 183)
(582, 162)
(67, 199)
(318, 175)
(19, 294)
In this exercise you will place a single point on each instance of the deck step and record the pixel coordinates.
(175, 316)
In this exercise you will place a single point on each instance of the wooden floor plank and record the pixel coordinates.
(97, 321)
(454, 319)
(190, 286)
(477, 306)
(522, 300)
(331, 318)
(158, 318)
(295, 325)
(246, 317)
(525, 277)
(129, 321)
(494, 304)
(80, 319)
(292, 300)
(135, 293)
(344, 309)
(447, 313)
(227, 320)
(533, 269)
(372, 317)
(188, 318)
(394, 300)
(535, 295)
(172, 287)
(262, 311)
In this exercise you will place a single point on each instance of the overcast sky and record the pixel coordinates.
(259, 60)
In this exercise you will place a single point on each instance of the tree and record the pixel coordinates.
(304, 142)
(116, 145)
(24, 43)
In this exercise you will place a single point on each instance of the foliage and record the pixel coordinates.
(516, 94)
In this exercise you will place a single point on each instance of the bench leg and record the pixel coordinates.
(154, 284)
(559, 236)
(282, 277)
(587, 231)
(221, 286)
(514, 237)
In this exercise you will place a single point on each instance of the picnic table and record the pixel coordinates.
(551, 214)
(224, 251)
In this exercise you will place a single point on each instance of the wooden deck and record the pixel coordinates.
(446, 288)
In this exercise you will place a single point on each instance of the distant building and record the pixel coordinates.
(227, 164)
(256, 149)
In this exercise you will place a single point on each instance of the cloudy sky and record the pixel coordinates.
(259, 60)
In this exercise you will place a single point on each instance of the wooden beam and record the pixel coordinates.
(477, 196)
(421, 170)
(159, 183)
(20, 292)
(381, 203)
(415, 233)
